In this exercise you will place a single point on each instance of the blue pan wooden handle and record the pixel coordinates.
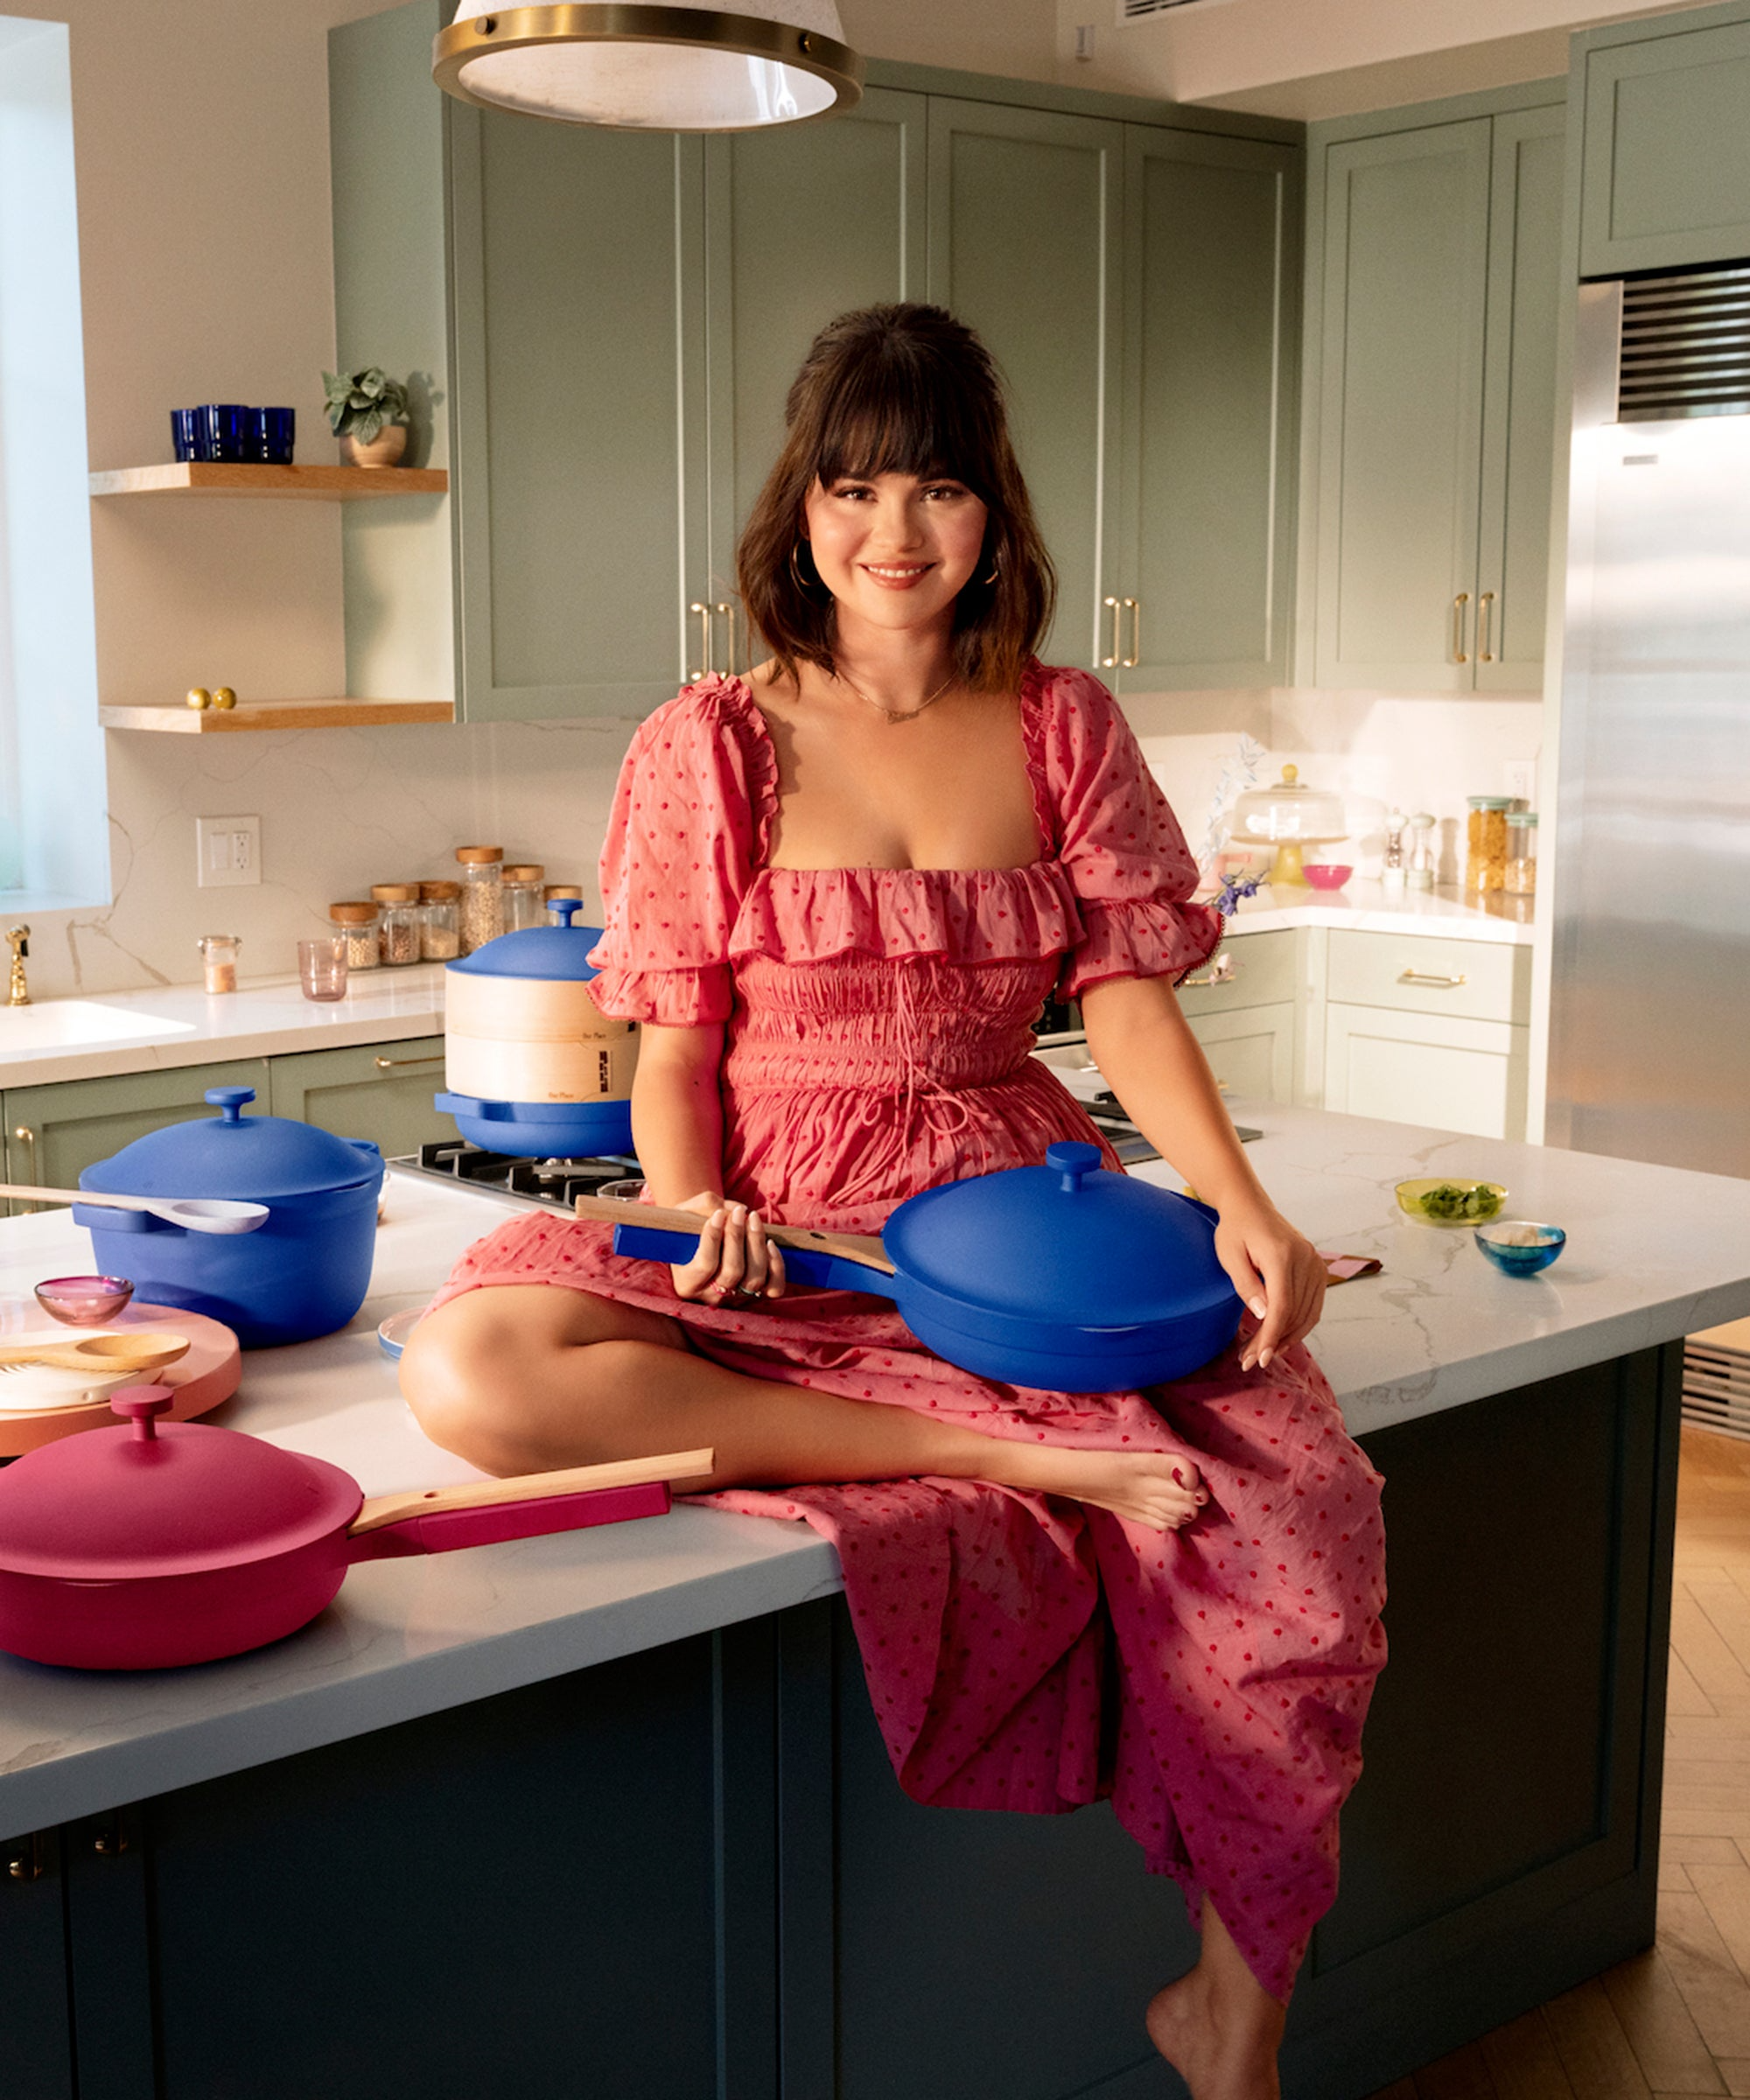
(806, 1264)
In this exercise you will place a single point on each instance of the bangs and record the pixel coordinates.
(901, 415)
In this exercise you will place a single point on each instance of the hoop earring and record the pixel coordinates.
(803, 584)
(996, 570)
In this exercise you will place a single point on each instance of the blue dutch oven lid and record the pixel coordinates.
(1069, 1241)
(251, 1157)
(558, 953)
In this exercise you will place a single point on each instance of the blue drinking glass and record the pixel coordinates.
(184, 437)
(272, 433)
(221, 425)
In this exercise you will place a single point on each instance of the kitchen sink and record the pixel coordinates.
(69, 1024)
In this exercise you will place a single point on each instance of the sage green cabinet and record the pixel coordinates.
(53, 1133)
(1243, 1008)
(1440, 284)
(382, 1091)
(1666, 173)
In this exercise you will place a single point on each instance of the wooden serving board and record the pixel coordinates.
(200, 1380)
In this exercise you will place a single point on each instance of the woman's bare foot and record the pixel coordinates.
(1161, 1489)
(1218, 2027)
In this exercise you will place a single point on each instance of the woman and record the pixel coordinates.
(838, 891)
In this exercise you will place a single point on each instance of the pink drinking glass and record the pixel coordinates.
(322, 968)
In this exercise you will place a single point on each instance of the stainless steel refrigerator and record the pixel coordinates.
(1649, 1044)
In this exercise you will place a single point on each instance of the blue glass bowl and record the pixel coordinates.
(1501, 1241)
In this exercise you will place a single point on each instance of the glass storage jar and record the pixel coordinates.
(440, 938)
(1521, 852)
(218, 961)
(399, 931)
(558, 889)
(523, 905)
(1486, 842)
(361, 923)
(482, 905)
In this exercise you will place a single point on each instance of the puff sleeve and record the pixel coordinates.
(1119, 844)
(688, 820)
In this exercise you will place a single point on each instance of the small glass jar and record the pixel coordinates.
(482, 901)
(1521, 852)
(558, 889)
(1486, 842)
(523, 904)
(440, 938)
(399, 931)
(218, 961)
(362, 925)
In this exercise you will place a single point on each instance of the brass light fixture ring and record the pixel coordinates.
(609, 22)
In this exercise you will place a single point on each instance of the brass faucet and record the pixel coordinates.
(18, 993)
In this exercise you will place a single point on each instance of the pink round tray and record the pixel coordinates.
(200, 1380)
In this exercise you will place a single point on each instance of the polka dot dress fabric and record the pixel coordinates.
(1022, 1651)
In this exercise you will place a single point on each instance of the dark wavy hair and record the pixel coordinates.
(902, 390)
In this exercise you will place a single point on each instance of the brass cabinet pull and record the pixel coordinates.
(1422, 976)
(23, 1134)
(1136, 612)
(1109, 661)
(704, 613)
(727, 608)
(26, 1860)
(111, 1837)
(1458, 605)
(1223, 971)
(1485, 622)
(395, 1064)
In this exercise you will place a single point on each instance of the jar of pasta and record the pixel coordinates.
(482, 902)
(440, 938)
(1486, 843)
(522, 900)
(1521, 852)
(399, 931)
(361, 923)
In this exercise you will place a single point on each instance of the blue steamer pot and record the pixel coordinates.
(1065, 1277)
(515, 1007)
(303, 1272)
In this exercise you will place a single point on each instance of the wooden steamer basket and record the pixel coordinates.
(531, 1064)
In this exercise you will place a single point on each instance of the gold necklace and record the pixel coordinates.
(910, 714)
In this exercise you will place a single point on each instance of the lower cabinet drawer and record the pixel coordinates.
(1251, 970)
(1470, 980)
(1406, 1067)
(1251, 1051)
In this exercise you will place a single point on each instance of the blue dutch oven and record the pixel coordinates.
(532, 1066)
(304, 1272)
(1066, 1276)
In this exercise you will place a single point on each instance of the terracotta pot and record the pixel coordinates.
(384, 450)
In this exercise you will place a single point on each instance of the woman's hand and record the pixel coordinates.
(1278, 1273)
(736, 1264)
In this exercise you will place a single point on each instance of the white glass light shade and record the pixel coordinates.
(654, 68)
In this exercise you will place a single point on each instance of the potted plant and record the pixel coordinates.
(366, 412)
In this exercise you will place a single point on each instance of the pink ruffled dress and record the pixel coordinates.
(878, 1041)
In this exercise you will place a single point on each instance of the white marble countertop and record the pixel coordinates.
(1366, 906)
(1653, 1254)
(178, 1024)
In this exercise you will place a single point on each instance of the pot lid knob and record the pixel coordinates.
(141, 1404)
(1070, 1159)
(563, 908)
(229, 1101)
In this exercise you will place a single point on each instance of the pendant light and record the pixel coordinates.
(653, 67)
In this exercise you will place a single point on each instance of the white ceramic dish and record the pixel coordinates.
(33, 1389)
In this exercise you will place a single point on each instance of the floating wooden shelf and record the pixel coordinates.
(277, 714)
(325, 484)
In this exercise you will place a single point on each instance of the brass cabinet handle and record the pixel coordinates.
(705, 667)
(28, 1861)
(1458, 605)
(1422, 976)
(1136, 612)
(1109, 661)
(1485, 622)
(111, 1837)
(23, 1134)
(1223, 971)
(727, 608)
(395, 1064)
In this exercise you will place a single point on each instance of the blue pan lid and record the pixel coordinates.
(1070, 1241)
(558, 953)
(252, 1158)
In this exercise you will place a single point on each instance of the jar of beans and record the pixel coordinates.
(440, 938)
(399, 904)
(522, 900)
(360, 922)
(482, 901)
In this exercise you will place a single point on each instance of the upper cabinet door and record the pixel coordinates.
(1406, 261)
(1519, 399)
(579, 290)
(804, 223)
(1212, 271)
(1023, 209)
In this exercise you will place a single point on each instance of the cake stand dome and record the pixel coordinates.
(1290, 817)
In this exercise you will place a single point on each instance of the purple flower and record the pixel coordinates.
(1234, 888)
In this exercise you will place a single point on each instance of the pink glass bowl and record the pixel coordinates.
(84, 1301)
(1325, 875)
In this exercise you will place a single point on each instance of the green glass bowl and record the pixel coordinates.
(1409, 1195)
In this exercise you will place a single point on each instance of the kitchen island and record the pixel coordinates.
(617, 1798)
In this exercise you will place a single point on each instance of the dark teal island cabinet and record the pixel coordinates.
(609, 1815)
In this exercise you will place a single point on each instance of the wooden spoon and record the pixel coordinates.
(101, 1352)
(855, 1246)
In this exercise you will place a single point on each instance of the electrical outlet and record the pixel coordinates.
(1521, 779)
(229, 851)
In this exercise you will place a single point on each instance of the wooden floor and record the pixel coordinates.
(1677, 2018)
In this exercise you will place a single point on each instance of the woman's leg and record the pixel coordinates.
(524, 1378)
(1218, 2027)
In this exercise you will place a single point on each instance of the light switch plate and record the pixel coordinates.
(229, 851)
